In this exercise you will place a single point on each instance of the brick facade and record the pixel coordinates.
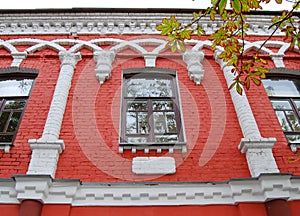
(84, 143)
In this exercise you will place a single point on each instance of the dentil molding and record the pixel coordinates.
(73, 23)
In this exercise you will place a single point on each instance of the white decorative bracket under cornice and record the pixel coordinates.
(150, 59)
(278, 60)
(18, 57)
(104, 60)
(193, 59)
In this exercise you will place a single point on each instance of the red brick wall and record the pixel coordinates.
(91, 122)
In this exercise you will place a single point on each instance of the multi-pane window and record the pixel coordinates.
(150, 109)
(14, 93)
(284, 94)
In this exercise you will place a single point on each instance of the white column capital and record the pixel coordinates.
(68, 58)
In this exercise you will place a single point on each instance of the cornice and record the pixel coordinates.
(84, 22)
(50, 191)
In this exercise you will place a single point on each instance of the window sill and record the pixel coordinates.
(158, 147)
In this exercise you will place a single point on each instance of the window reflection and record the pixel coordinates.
(282, 87)
(142, 87)
(13, 97)
(284, 94)
(15, 87)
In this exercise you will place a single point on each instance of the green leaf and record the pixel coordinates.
(212, 14)
(278, 1)
(200, 31)
(185, 34)
(168, 26)
(222, 6)
(239, 88)
(174, 47)
(256, 81)
(236, 6)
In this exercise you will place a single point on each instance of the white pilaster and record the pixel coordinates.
(193, 59)
(258, 149)
(104, 60)
(59, 101)
(46, 150)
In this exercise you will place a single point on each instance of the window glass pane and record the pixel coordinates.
(15, 87)
(14, 120)
(143, 127)
(6, 138)
(143, 87)
(15, 104)
(131, 122)
(137, 139)
(281, 105)
(136, 105)
(166, 138)
(293, 138)
(162, 105)
(282, 87)
(297, 102)
(283, 121)
(171, 122)
(159, 121)
(3, 120)
(293, 121)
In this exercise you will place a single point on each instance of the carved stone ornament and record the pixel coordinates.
(104, 60)
(193, 59)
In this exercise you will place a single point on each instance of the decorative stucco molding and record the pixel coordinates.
(104, 60)
(73, 192)
(111, 23)
(258, 149)
(193, 59)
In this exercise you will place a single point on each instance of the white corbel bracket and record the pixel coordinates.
(104, 60)
(150, 60)
(18, 57)
(278, 60)
(193, 59)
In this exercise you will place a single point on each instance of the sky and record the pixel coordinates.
(34, 4)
